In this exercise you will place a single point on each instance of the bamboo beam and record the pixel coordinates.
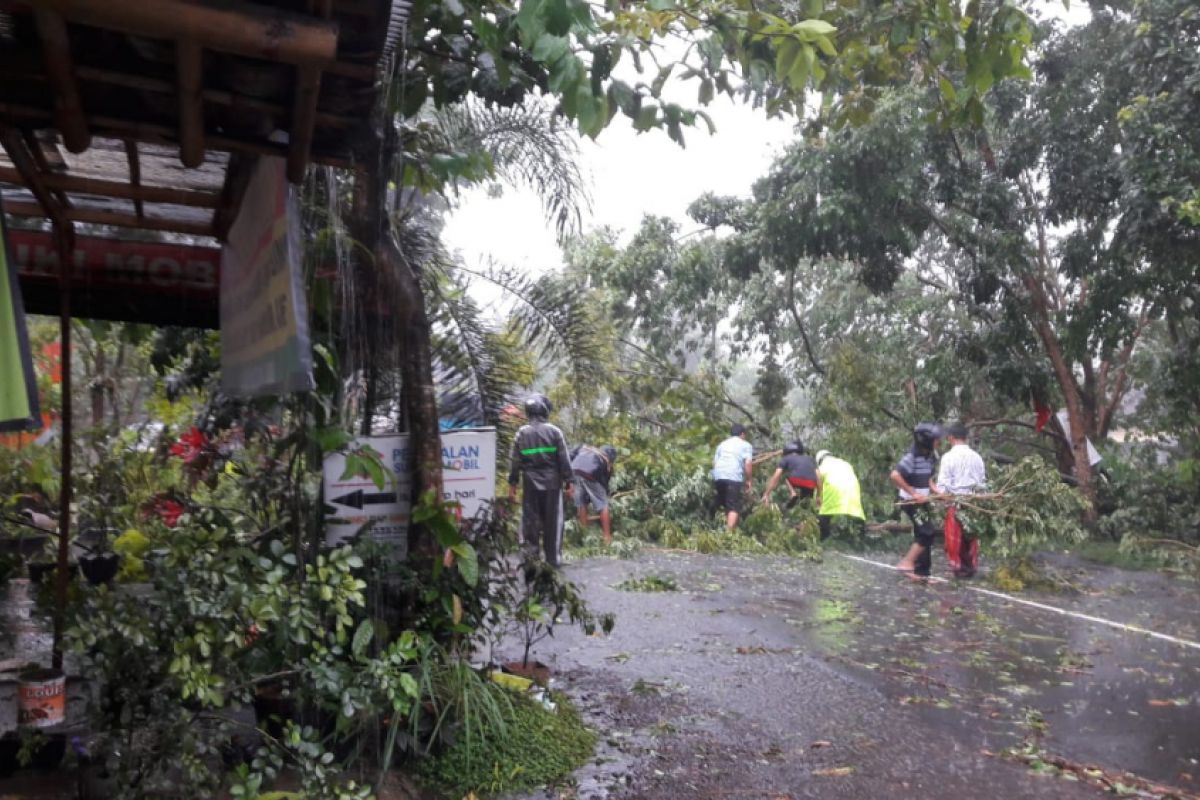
(153, 133)
(135, 175)
(241, 28)
(215, 96)
(94, 217)
(138, 193)
(189, 66)
(56, 52)
(43, 165)
(18, 152)
(219, 97)
(237, 178)
(304, 107)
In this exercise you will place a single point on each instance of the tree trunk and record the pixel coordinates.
(396, 278)
(1072, 397)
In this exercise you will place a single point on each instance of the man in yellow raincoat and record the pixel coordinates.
(838, 493)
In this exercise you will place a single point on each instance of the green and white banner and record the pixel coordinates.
(265, 347)
(18, 387)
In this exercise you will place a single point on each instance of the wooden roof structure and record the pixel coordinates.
(147, 115)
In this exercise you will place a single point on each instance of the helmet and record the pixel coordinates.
(538, 405)
(610, 453)
(794, 446)
(925, 434)
(821, 456)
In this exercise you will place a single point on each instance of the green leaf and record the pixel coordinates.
(549, 48)
(660, 5)
(647, 118)
(468, 563)
(362, 638)
(808, 30)
(785, 58)
(947, 89)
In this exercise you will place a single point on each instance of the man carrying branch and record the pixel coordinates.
(962, 472)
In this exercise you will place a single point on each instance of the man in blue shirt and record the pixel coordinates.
(732, 466)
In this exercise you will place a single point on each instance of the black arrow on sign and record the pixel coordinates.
(357, 499)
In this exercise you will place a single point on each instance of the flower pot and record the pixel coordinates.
(50, 754)
(39, 571)
(100, 569)
(273, 708)
(41, 698)
(535, 671)
(10, 746)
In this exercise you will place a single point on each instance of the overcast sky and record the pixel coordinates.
(634, 174)
(630, 175)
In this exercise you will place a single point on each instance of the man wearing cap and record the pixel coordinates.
(801, 472)
(913, 478)
(838, 494)
(732, 466)
(962, 473)
(540, 456)
(593, 468)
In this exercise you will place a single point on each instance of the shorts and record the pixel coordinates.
(729, 495)
(590, 492)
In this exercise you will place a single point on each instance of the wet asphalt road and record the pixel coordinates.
(773, 678)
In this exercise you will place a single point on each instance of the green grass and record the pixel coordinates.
(536, 747)
(649, 583)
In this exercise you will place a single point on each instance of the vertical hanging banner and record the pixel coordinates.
(18, 387)
(265, 347)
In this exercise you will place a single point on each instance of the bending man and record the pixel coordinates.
(593, 468)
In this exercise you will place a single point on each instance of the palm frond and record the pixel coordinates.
(528, 147)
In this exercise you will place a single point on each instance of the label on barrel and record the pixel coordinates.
(41, 704)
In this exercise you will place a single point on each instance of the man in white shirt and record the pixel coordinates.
(733, 463)
(962, 472)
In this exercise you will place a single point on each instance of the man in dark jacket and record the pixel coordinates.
(914, 481)
(539, 455)
(799, 469)
(593, 468)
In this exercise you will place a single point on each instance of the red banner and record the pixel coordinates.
(109, 263)
(121, 279)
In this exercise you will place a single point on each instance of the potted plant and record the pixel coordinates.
(100, 564)
(546, 597)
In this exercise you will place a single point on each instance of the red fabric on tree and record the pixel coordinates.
(1044, 413)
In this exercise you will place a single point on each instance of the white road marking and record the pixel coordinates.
(1121, 626)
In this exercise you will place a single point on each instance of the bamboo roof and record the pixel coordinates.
(148, 114)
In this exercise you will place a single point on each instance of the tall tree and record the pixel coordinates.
(1030, 216)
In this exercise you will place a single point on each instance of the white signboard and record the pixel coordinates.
(469, 469)
(353, 500)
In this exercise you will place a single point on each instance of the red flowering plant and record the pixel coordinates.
(199, 454)
(166, 508)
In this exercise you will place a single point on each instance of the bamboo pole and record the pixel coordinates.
(153, 133)
(64, 508)
(95, 217)
(56, 53)
(244, 29)
(304, 107)
(189, 68)
(135, 176)
(134, 190)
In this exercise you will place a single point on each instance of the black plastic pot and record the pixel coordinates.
(272, 709)
(100, 569)
(50, 754)
(9, 747)
(40, 570)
